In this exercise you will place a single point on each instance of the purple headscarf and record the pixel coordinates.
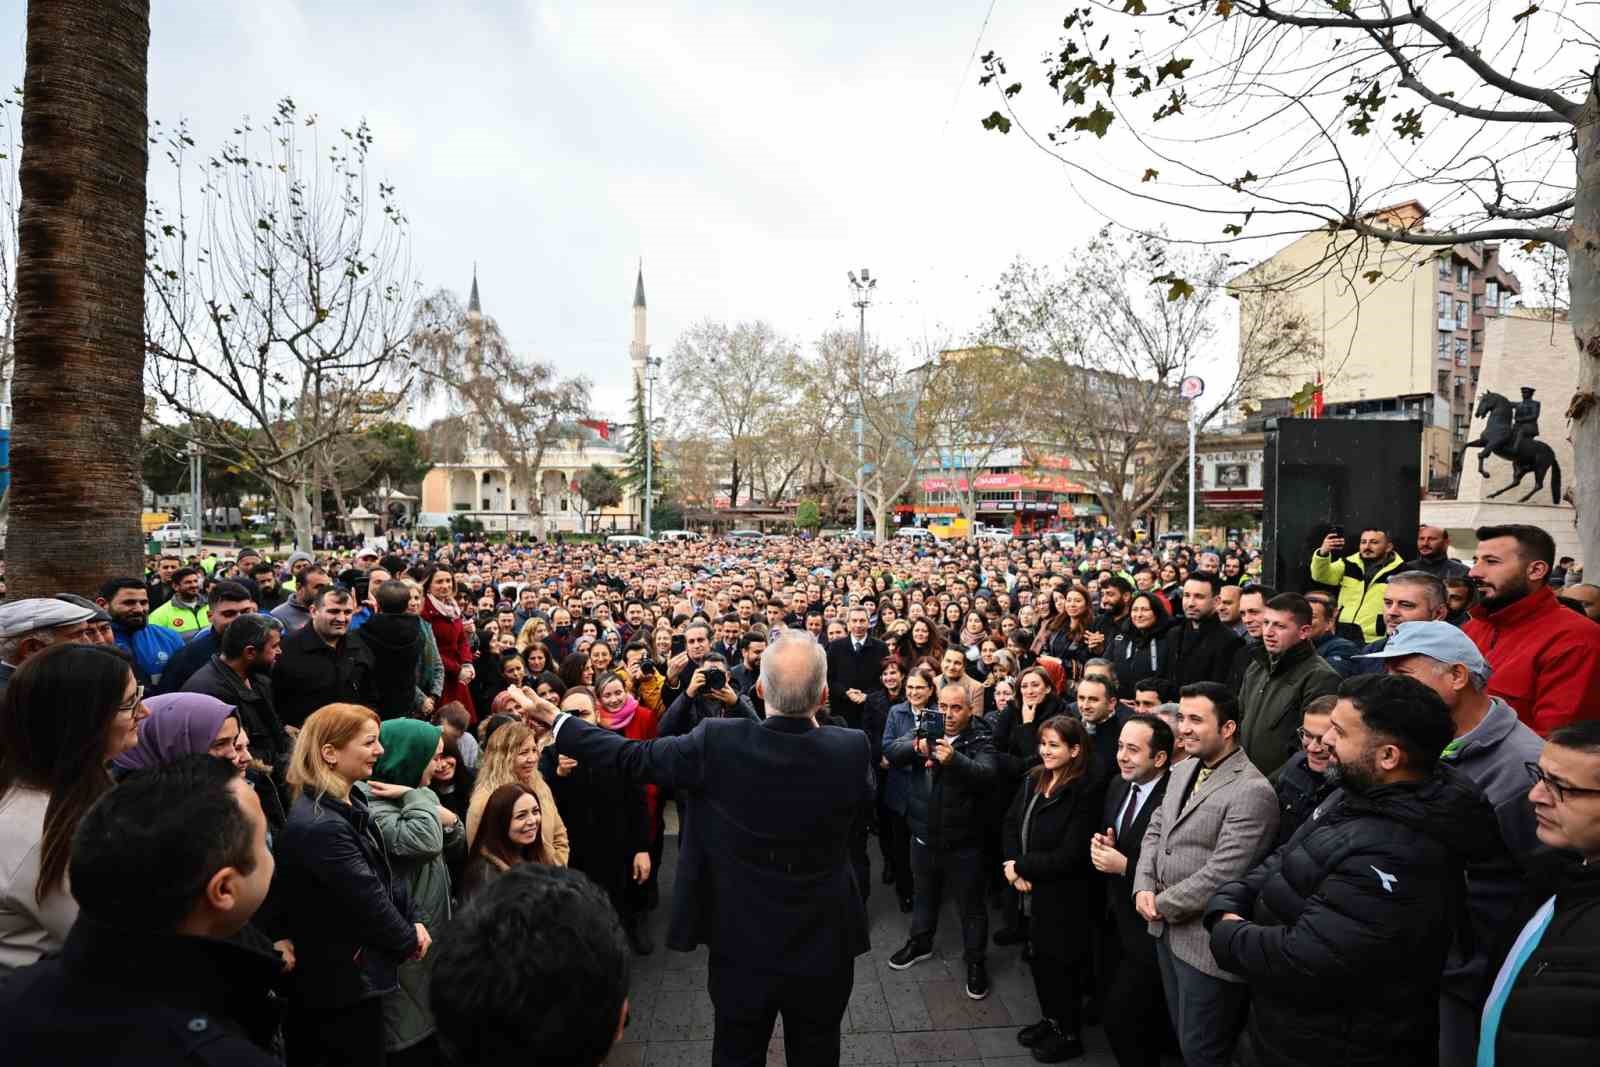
(180, 724)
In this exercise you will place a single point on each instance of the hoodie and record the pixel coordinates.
(396, 646)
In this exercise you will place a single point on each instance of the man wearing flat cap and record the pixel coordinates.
(1493, 748)
(27, 626)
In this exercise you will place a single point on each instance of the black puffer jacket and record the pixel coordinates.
(1349, 924)
(1139, 654)
(335, 897)
(1300, 790)
(1549, 1017)
(948, 804)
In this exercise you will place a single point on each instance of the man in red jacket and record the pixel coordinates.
(1546, 657)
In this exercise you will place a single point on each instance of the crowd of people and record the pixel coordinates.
(312, 810)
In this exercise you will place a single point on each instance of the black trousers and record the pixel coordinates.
(748, 1002)
(1136, 1019)
(1056, 982)
(897, 846)
(351, 1036)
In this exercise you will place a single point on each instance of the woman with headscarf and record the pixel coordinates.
(416, 831)
(187, 724)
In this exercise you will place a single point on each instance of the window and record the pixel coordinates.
(1477, 339)
(1491, 293)
(1477, 303)
(1463, 275)
(1461, 351)
(1462, 312)
(1444, 382)
(1446, 305)
(1444, 266)
(485, 504)
(1444, 344)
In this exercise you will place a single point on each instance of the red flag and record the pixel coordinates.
(1316, 398)
(599, 426)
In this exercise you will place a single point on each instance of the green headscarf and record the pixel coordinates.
(408, 748)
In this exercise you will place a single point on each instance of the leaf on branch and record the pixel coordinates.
(1240, 182)
(1233, 229)
(1373, 276)
(1409, 125)
(1177, 288)
(997, 121)
(1525, 14)
(1224, 8)
(1173, 106)
(1173, 68)
(1533, 246)
(1150, 174)
(1096, 122)
(1133, 7)
(1013, 89)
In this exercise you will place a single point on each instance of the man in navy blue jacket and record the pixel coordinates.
(764, 879)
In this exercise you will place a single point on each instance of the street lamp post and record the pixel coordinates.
(863, 287)
(650, 366)
(195, 475)
(1191, 389)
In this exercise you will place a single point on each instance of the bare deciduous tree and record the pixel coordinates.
(1309, 115)
(276, 307)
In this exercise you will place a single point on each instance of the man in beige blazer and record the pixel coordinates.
(1218, 820)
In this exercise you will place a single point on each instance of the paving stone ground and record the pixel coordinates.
(917, 1016)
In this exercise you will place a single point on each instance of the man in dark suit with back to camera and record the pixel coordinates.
(764, 879)
(1135, 1003)
(855, 666)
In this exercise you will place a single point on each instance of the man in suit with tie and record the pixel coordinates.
(1135, 996)
(855, 667)
(1218, 819)
(764, 880)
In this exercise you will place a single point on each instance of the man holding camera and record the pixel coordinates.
(954, 770)
(709, 694)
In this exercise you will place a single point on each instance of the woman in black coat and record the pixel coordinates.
(1138, 650)
(335, 896)
(1016, 746)
(609, 828)
(1047, 833)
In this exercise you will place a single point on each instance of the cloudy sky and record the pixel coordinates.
(751, 154)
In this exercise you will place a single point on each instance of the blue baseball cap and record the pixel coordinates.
(1435, 639)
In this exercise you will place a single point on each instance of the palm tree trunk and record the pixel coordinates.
(79, 395)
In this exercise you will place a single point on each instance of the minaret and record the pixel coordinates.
(474, 308)
(639, 350)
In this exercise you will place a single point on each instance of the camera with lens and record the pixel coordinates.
(647, 666)
(716, 678)
(930, 726)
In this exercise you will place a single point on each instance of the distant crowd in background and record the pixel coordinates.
(295, 810)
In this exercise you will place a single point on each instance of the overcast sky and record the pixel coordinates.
(750, 153)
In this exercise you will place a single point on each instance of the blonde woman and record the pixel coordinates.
(512, 755)
(349, 918)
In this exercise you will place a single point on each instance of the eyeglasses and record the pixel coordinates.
(1307, 737)
(131, 707)
(1558, 790)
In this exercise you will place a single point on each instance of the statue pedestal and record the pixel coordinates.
(1521, 348)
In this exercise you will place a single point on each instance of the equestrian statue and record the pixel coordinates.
(1512, 433)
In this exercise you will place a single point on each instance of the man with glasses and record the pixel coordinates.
(1303, 782)
(1541, 1006)
(1491, 747)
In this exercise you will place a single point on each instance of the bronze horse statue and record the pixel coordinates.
(1527, 456)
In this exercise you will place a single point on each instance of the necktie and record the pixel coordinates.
(1129, 813)
(858, 647)
(1200, 779)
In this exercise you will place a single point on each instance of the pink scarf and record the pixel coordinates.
(619, 719)
(446, 608)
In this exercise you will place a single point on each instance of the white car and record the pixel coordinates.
(626, 540)
(744, 535)
(677, 535)
(992, 533)
(914, 533)
(174, 533)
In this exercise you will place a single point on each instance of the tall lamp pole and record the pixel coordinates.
(650, 366)
(1191, 389)
(863, 287)
(195, 477)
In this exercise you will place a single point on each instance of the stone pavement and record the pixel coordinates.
(917, 1016)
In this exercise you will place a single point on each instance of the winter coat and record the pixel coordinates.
(1274, 696)
(902, 722)
(1546, 659)
(607, 824)
(455, 651)
(310, 673)
(1052, 853)
(1016, 743)
(875, 719)
(142, 997)
(152, 648)
(395, 642)
(1549, 1015)
(1337, 652)
(430, 668)
(1360, 585)
(415, 841)
(1494, 754)
(337, 898)
(1348, 925)
(188, 659)
(946, 804)
(258, 713)
(1137, 655)
(1199, 653)
(1300, 790)
(1441, 568)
